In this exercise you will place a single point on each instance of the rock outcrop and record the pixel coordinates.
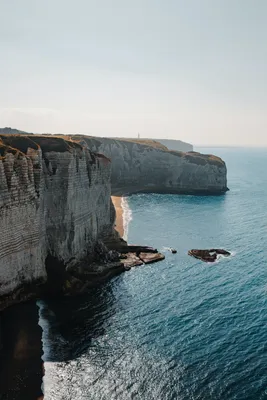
(54, 202)
(210, 255)
(147, 167)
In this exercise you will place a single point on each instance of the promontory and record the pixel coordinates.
(56, 214)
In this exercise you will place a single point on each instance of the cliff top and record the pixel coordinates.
(11, 131)
(19, 144)
(15, 141)
(192, 156)
(147, 142)
(199, 158)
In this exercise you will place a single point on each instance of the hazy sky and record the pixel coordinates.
(194, 70)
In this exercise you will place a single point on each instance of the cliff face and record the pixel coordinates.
(54, 201)
(140, 167)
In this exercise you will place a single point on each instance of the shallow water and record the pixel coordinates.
(179, 329)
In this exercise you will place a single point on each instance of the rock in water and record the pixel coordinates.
(208, 255)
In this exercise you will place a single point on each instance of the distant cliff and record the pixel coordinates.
(12, 131)
(54, 207)
(149, 167)
(176, 145)
(167, 144)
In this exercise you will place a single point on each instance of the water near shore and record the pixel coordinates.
(123, 215)
(179, 329)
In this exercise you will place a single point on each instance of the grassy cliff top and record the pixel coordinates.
(11, 131)
(11, 142)
(191, 156)
(200, 159)
(146, 142)
(21, 143)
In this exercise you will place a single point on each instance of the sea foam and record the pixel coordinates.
(127, 217)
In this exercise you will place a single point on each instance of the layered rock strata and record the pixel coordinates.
(57, 219)
(149, 167)
(54, 202)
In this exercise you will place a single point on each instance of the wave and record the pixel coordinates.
(127, 216)
(44, 324)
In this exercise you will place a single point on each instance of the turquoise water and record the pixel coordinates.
(179, 329)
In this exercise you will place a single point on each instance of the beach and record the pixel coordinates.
(117, 201)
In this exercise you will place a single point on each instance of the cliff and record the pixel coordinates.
(176, 145)
(54, 208)
(167, 144)
(146, 166)
(12, 131)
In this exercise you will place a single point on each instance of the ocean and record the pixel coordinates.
(181, 328)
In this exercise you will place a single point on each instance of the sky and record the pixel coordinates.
(193, 70)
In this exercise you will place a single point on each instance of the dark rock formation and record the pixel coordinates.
(149, 258)
(208, 255)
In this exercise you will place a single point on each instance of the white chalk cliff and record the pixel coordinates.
(55, 197)
(140, 167)
(54, 200)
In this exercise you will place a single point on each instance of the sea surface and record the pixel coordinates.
(179, 329)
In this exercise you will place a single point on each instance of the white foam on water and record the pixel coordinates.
(164, 248)
(51, 368)
(221, 257)
(43, 323)
(127, 217)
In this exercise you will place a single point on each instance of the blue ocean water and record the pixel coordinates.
(179, 329)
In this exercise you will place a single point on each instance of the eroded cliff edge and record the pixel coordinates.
(54, 205)
(151, 167)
